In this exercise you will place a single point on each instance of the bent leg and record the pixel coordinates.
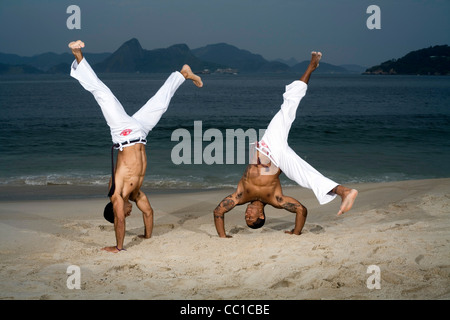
(306, 176)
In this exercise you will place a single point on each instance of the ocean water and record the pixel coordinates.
(351, 128)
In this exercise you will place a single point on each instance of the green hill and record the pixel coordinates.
(430, 61)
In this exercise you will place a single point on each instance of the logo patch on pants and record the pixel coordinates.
(126, 132)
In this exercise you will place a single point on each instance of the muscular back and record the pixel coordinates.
(130, 170)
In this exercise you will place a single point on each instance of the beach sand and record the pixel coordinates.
(403, 228)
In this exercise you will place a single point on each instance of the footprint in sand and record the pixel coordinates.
(238, 229)
(419, 258)
(163, 228)
(316, 229)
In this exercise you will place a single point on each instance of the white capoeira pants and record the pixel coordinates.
(123, 127)
(274, 143)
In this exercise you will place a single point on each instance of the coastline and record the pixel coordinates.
(401, 227)
(71, 192)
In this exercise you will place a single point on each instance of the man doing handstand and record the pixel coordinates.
(260, 183)
(129, 137)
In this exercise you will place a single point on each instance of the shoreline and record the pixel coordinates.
(73, 192)
(10, 193)
(400, 227)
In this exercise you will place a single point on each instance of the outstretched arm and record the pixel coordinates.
(226, 205)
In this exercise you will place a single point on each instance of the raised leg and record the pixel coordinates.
(122, 126)
(150, 114)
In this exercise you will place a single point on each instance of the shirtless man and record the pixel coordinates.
(129, 137)
(260, 183)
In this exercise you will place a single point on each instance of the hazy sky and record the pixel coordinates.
(272, 28)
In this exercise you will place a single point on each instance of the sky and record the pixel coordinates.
(271, 28)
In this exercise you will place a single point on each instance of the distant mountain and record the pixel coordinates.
(429, 61)
(274, 67)
(131, 57)
(7, 58)
(353, 68)
(124, 59)
(324, 68)
(245, 61)
(290, 62)
(236, 58)
(18, 69)
(220, 57)
(47, 61)
(61, 68)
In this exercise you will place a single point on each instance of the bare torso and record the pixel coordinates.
(260, 182)
(130, 171)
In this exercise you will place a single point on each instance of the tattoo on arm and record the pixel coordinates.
(217, 216)
(291, 204)
(226, 205)
(291, 207)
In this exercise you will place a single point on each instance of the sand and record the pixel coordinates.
(401, 228)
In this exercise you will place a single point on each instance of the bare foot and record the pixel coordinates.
(348, 198)
(315, 58)
(76, 46)
(112, 249)
(188, 74)
(313, 64)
